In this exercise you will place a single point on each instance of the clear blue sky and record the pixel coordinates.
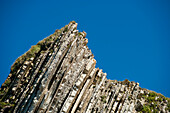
(130, 39)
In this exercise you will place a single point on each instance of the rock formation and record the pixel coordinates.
(58, 75)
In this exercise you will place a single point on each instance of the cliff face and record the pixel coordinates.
(59, 75)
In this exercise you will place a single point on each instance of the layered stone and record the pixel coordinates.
(58, 75)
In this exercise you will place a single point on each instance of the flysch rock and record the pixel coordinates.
(58, 75)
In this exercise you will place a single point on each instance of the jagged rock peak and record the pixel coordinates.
(58, 74)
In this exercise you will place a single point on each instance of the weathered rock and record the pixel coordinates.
(59, 75)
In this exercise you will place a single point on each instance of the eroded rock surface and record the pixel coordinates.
(58, 75)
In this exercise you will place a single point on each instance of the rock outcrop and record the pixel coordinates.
(58, 75)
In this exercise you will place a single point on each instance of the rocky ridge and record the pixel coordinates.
(58, 75)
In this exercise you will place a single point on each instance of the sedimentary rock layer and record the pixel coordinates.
(58, 75)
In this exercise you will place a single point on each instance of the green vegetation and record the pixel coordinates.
(3, 104)
(39, 71)
(80, 34)
(33, 51)
(152, 94)
(153, 103)
(168, 108)
(41, 45)
(7, 82)
(146, 109)
(160, 99)
(66, 28)
(51, 50)
(129, 97)
(39, 48)
(2, 92)
(151, 97)
(5, 88)
(103, 99)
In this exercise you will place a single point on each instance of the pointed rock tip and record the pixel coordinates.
(73, 22)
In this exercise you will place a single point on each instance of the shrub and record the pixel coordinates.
(152, 94)
(146, 109)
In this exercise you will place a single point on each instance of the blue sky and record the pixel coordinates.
(129, 38)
